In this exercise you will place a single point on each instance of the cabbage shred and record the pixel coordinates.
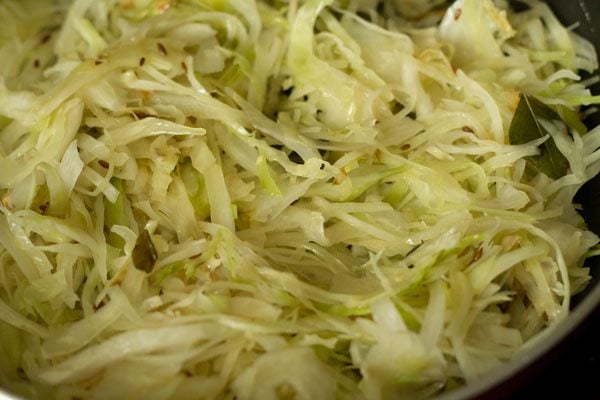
(281, 199)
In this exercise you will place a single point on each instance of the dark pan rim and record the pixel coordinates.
(545, 343)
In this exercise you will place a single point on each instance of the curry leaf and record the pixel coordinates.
(525, 127)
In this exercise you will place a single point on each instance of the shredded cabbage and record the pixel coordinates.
(286, 199)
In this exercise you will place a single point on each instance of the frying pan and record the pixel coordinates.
(505, 380)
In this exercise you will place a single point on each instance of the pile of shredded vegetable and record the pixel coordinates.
(285, 199)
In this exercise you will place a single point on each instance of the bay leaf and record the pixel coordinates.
(144, 253)
(571, 118)
(525, 127)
